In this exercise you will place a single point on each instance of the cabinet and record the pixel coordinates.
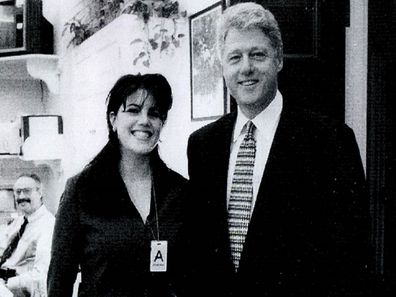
(31, 67)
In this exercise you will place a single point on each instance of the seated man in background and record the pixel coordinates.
(26, 246)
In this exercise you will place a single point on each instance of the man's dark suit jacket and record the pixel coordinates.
(308, 235)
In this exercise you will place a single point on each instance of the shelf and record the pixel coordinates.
(32, 66)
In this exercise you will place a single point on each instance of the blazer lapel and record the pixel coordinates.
(267, 204)
(282, 144)
(221, 153)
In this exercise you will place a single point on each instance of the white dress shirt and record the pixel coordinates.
(266, 123)
(32, 255)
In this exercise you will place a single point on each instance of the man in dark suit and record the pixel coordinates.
(278, 203)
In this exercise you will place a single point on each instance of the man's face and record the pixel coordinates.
(250, 69)
(27, 195)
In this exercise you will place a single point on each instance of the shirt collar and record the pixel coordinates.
(37, 214)
(265, 122)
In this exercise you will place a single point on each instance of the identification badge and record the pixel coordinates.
(158, 255)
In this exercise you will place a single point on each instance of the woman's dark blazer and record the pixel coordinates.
(308, 235)
(99, 231)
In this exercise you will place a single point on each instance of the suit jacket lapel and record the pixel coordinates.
(222, 154)
(281, 145)
(267, 204)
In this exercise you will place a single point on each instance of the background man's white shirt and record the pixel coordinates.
(32, 255)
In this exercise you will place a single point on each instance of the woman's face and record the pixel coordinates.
(139, 124)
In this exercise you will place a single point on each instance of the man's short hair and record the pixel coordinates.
(248, 16)
(32, 176)
(35, 177)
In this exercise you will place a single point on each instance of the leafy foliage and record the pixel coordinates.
(102, 12)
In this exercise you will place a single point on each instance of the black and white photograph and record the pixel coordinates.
(211, 148)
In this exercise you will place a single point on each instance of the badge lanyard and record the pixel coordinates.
(155, 210)
(159, 248)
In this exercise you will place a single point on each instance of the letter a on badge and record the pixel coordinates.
(158, 255)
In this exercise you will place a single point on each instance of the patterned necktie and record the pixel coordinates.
(13, 244)
(240, 204)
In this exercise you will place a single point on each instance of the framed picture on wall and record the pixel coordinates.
(208, 100)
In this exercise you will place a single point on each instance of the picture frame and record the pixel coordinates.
(208, 93)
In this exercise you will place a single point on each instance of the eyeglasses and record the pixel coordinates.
(26, 191)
